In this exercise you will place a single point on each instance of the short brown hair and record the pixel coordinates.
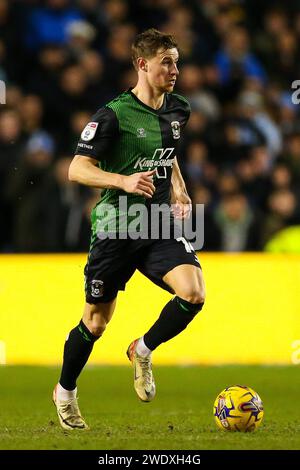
(149, 42)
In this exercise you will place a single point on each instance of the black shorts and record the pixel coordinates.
(111, 263)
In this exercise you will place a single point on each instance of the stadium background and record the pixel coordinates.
(240, 156)
(60, 61)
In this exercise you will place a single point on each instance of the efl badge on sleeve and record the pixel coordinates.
(89, 131)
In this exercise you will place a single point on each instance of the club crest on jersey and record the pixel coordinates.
(175, 129)
(140, 132)
(89, 131)
(97, 288)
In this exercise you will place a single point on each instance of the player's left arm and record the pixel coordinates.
(180, 200)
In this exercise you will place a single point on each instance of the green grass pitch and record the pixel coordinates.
(179, 418)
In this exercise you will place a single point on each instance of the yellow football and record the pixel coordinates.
(238, 408)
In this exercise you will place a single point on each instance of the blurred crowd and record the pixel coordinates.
(61, 60)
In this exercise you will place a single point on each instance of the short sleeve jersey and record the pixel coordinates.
(126, 136)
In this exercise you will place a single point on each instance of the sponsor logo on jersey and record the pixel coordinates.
(97, 288)
(89, 131)
(143, 163)
(140, 132)
(160, 160)
(175, 125)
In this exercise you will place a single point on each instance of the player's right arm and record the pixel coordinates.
(84, 170)
(96, 141)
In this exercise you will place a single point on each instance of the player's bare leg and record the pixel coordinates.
(188, 284)
(96, 316)
(78, 348)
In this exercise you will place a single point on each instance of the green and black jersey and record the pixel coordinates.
(126, 136)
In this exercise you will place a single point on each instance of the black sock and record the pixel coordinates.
(78, 348)
(174, 318)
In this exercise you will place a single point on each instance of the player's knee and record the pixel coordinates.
(197, 298)
(96, 327)
(96, 319)
(97, 330)
(194, 296)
